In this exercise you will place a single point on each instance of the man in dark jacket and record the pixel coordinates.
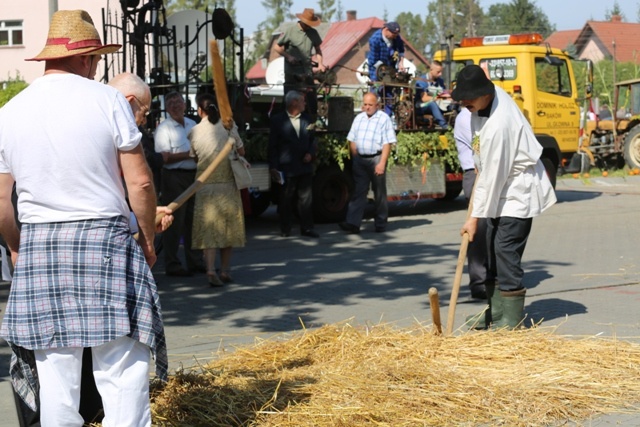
(292, 148)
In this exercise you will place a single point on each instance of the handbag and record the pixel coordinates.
(240, 167)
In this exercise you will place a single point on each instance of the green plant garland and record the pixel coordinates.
(417, 149)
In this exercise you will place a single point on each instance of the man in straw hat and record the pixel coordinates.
(512, 187)
(295, 45)
(81, 280)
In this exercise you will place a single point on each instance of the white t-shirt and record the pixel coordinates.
(59, 139)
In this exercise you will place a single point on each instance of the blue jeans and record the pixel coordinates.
(433, 109)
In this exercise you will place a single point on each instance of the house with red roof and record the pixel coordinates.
(602, 40)
(563, 39)
(344, 48)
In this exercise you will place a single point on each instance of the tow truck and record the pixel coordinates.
(542, 82)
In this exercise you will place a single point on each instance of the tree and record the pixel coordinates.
(279, 13)
(327, 9)
(450, 20)
(615, 10)
(230, 58)
(11, 88)
(178, 5)
(603, 87)
(519, 16)
(340, 11)
(413, 30)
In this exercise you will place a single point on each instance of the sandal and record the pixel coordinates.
(214, 280)
(226, 277)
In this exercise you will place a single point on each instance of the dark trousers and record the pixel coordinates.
(433, 109)
(174, 182)
(363, 176)
(302, 187)
(477, 250)
(507, 238)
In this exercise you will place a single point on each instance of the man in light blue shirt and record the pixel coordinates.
(370, 140)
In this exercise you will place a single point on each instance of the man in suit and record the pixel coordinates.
(292, 148)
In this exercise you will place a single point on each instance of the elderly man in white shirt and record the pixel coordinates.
(370, 140)
(178, 173)
(512, 186)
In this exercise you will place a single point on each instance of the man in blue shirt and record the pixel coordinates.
(429, 89)
(385, 47)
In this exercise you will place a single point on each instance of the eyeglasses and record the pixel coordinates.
(143, 108)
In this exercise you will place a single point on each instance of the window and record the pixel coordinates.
(552, 76)
(11, 33)
(501, 68)
(635, 98)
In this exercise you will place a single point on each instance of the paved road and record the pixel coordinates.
(582, 263)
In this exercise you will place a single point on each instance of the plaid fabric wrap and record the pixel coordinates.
(79, 284)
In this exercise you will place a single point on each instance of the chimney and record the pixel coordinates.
(616, 18)
(351, 15)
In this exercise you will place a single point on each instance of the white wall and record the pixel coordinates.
(35, 17)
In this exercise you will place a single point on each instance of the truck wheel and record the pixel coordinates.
(552, 171)
(332, 189)
(259, 202)
(632, 148)
(452, 190)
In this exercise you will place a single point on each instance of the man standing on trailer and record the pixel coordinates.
(295, 45)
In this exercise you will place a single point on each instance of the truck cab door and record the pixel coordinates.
(556, 111)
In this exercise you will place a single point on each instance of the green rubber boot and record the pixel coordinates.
(513, 310)
(492, 314)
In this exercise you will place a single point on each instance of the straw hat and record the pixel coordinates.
(72, 33)
(308, 16)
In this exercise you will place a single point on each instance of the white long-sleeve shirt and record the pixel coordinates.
(462, 135)
(512, 181)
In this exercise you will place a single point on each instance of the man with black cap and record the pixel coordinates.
(295, 44)
(386, 47)
(81, 280)
(512, 187)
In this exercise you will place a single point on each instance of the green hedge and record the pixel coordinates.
(413, 148)
(10, 88)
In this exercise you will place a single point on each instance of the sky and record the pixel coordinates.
(565, 14)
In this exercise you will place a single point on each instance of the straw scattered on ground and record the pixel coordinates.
(341, 375)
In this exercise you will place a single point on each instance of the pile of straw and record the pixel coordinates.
(340, 375)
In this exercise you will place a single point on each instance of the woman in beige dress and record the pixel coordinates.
(218, 221)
